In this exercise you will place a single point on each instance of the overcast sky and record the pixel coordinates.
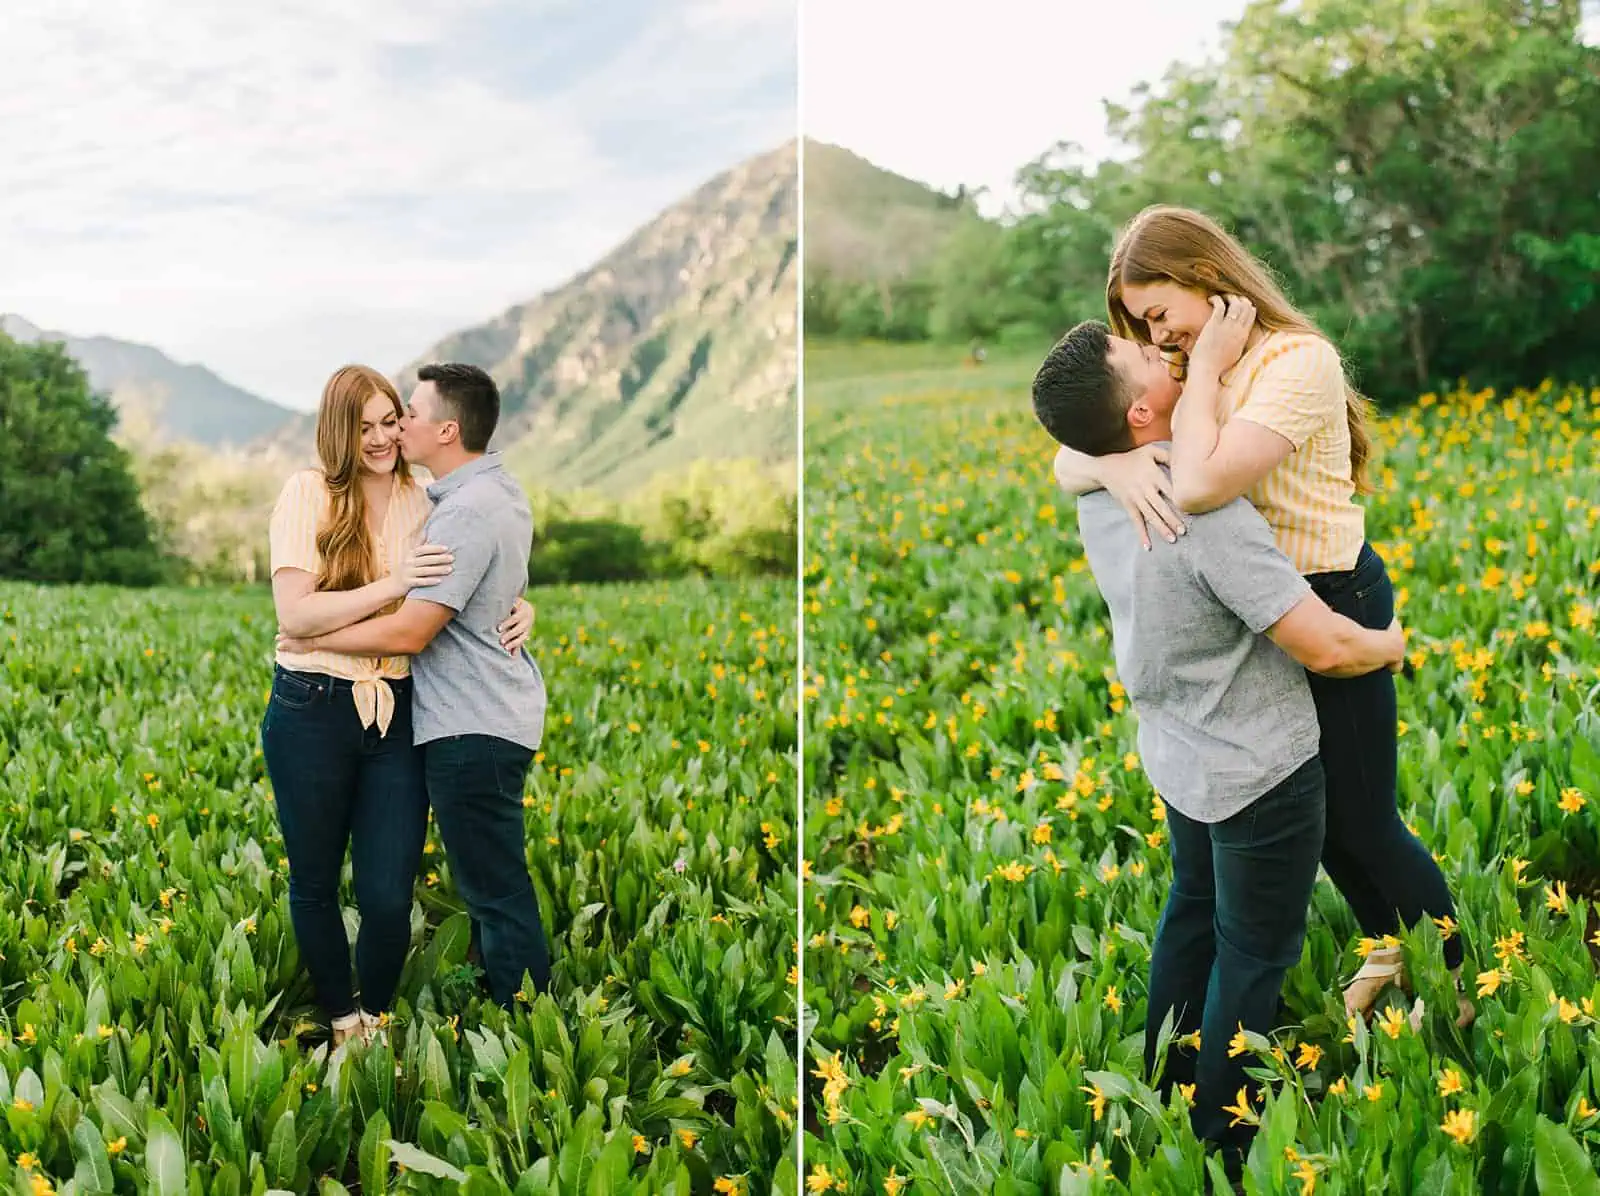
(949, 94)
(277, 189)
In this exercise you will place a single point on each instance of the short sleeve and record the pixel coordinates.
(1234, 556)
(293, 530)
(469, 537)
(1298, 390)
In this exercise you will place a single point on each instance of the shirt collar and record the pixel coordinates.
(1228, 375)
(461, 475)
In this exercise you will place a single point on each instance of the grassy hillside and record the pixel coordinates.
(864, 223)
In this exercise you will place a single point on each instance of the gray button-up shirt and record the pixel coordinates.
(465, 682)
(1224, 714)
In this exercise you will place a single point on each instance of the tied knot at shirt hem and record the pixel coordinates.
(374, 699)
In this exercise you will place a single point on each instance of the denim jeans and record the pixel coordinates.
(1233, 925)
(475, 787)
(337, 784)
(1384, 872)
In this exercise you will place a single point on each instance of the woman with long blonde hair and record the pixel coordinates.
(336, 735)
(1279, 423)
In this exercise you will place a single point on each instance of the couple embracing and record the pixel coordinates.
(1254, 632)
(402, 684)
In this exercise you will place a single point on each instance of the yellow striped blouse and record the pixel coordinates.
(1293, 383)
(300, 511)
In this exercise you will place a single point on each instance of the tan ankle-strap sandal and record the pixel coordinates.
(347, 1027)
(1466, 1011)
(1382, 967)
(373, 1028)
(1386, 966)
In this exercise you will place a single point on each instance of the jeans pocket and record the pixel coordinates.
(294, 692)
(1310, 780)
(1239, 830)
(511, 764)
(1373, 604)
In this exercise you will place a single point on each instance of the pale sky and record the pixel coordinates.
(949, 94)
(276, 189)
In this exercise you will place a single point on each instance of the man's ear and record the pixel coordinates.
(1139, 412)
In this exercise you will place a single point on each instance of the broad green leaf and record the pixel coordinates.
(1561, 1166)
(413, 1159)
(164, 1161)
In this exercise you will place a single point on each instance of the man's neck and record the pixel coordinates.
(444, 467)
(1153, 433)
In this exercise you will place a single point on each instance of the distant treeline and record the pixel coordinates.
(77, 506)
(720, 519)
(1421, 174)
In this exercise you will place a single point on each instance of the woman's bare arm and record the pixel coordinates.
(1212, 466)
(1077, 473)
(1135, 479)
(304, 611)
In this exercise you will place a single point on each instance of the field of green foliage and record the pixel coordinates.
(156, 1029)
(985, 861)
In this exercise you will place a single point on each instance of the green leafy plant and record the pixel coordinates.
(156, 1030)
(986, 861)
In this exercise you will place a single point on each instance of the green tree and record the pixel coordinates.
(69, 504)
(590, 550)
(1419, 173)
(1451, 146)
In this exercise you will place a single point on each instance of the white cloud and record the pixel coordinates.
(951, 94)
(275, 104)
(264, 188)
(687, 58)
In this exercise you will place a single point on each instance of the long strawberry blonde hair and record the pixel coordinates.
(1179, 245)
(343, 541)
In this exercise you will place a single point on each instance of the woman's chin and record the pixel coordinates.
(380, 465)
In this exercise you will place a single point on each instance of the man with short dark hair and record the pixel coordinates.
(466, 395)
(1212, 634)
(478, 712)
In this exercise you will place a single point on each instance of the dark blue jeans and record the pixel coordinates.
(1233, 925)
(1384, 872)
(475, 787)
(336, 784)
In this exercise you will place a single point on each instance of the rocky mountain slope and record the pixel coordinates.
(679, 345)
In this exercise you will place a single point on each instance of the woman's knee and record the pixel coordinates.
(389, 906)
(313, 892)
(1261, 945)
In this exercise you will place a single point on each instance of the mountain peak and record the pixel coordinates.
(18, 329)
(677, 344)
